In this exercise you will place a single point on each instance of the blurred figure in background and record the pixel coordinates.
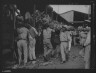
(83, 36)
(74, 37)
(87, 46)
(70, 39)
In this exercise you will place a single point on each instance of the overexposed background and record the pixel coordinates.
(64, 8)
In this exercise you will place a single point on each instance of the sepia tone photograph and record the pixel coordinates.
(47, 36)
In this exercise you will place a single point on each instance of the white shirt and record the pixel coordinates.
(63, 36)
(22, 32)
(34, 31)
(47, 33)
(88, 39)
(83, 35)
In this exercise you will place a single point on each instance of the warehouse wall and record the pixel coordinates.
(78, 16)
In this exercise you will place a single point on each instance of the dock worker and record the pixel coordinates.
(47, 41)
(70, 37)
(32, 41)
(83, 36)
(22, 43)
(87, 50)
(64, 44)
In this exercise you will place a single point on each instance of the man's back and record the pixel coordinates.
(22, 32)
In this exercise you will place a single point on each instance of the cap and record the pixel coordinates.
(63, 28)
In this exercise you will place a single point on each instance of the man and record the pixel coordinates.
(39, 43)
(32, 34)
(82, 37)
(87, 50)
(56, 43)
(74, 37)
(64, 44)
(70, 37)
(22, 43)
(47, 41)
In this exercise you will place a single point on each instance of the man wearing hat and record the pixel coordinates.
(64, 44)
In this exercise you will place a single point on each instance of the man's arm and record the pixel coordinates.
(35, 31)
(68, 35)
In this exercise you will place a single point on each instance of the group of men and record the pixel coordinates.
(26, 43)
(66, 35)
(27, 40)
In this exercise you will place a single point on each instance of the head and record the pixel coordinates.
(20, 18)
(63, 29)
(45, 26)
(68, 29)
(19, 25)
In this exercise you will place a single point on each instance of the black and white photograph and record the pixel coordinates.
(37, 35)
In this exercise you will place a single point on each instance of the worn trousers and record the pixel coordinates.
(74, 40)
(22, 49)
(64, 50)
(47, 47)
(70, 45)
(32, 49)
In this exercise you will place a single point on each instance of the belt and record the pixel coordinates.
(48, 38)
(87, 45)
(21, 39)
(83, 37)
(64, 41)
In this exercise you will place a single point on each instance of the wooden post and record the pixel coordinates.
(89, 12)
(14, 28)
(93, 53)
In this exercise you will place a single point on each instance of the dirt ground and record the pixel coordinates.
(75, 61)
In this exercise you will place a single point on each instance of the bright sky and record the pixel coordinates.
(64, 8)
